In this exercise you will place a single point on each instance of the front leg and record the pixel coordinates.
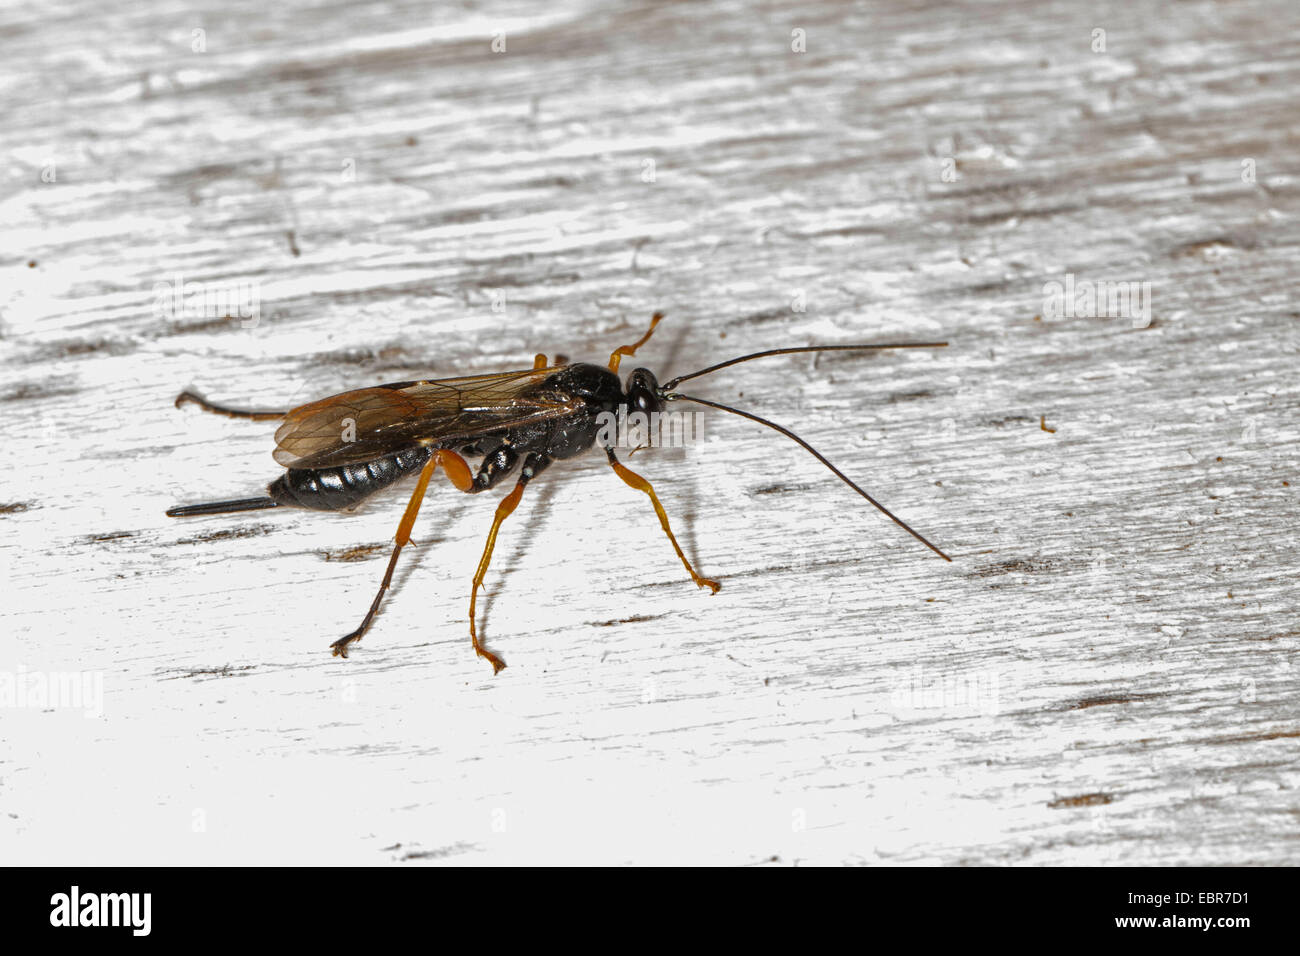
(632, 479)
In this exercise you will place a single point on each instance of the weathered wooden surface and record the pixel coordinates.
(1105, 674)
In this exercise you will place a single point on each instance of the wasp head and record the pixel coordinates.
(643, 392)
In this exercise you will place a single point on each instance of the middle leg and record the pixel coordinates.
(534, 463)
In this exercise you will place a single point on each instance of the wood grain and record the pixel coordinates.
(1104, 674)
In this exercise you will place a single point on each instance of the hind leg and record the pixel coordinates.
(193, 398)
(458, 472)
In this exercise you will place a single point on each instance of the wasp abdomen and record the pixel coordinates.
(333, 489)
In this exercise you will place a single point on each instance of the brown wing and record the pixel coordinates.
(364, 424)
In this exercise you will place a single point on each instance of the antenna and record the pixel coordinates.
(816, 454)
(669, 386)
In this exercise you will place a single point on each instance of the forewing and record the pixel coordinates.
(367, 423)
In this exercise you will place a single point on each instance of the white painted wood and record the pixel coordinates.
(1104, 674)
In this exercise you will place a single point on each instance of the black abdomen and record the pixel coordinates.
(333, 489)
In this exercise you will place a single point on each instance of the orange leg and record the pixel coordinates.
(457, 469)
(539, 360)
(458, 472)
(617, 355)
(640, 484)
(508, 504)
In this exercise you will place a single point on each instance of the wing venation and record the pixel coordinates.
(367, 423)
